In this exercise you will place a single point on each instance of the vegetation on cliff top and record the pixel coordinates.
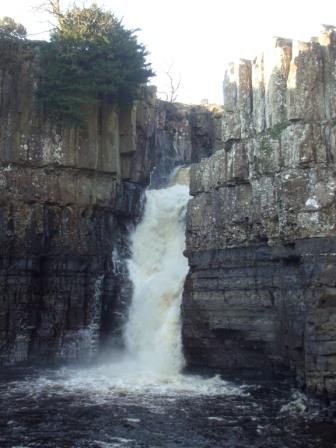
(91, 57)
(9, 29)
(12, 37)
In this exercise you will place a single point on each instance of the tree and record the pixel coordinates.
(52, 7)
(172, 86)
(90, 57)
(12, 37)
(9, 29)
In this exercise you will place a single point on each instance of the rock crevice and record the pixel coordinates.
(261, 229)
(68, 200)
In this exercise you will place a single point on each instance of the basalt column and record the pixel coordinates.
(68, 200)
(261, 233)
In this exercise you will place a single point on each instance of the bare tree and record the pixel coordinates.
(173, 85)
(54, 10)
(52, 7)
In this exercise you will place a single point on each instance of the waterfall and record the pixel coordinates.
(157, 270)
(152, 361)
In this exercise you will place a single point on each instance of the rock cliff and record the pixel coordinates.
(68, 199)
(261, 234)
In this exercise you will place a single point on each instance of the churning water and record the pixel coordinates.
(140, 398)
(157, 270)
(152, 360)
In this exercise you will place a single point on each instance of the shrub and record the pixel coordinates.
(12, 38)
(90, 57)
(9, 29)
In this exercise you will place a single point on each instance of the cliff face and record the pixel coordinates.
(171, 134)
(68, 199)
(261, 235)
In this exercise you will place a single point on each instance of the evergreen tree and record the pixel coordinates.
(9, 29)
(12, 38)
(90, 57)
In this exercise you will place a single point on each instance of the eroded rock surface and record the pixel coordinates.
(261, 234)
(68, 200)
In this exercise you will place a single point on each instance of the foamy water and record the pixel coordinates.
(140, 397)
(153, 358)
(157, 270)
(124, 378)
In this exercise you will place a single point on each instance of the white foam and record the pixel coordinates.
(153, 359)
(157, 270)
(296, 405)
(123, 378)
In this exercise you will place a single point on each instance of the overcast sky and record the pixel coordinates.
(199, 37)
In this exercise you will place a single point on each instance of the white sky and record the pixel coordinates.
(199, 37)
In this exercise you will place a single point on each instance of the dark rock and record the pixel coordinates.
(261, 235)
(68, 200)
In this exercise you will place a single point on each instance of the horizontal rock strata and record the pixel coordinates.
(68, 200)
(261, 234)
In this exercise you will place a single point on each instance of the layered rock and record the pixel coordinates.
(63, 209)
(261, 235)
(171, 134)
(69, 198)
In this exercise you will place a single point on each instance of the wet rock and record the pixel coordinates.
(68, 199)
(261, 233)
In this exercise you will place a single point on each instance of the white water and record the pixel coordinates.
(157, 270)
(153, 359)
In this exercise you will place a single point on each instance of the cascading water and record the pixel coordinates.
(152, 360)
(140, 398)
(157, 270)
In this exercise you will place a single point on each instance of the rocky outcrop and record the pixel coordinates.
(68, 199)
(63, 210)
(261, 235)
(171, 134)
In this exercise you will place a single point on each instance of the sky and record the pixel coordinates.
(195, 39)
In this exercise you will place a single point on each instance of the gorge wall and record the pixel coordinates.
(261, 228)
(68, 199)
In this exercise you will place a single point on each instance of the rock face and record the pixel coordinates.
(261, 234)
(68, 199)
(171, 134)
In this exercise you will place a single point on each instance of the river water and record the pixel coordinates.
(140, 397)
(83, 408)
